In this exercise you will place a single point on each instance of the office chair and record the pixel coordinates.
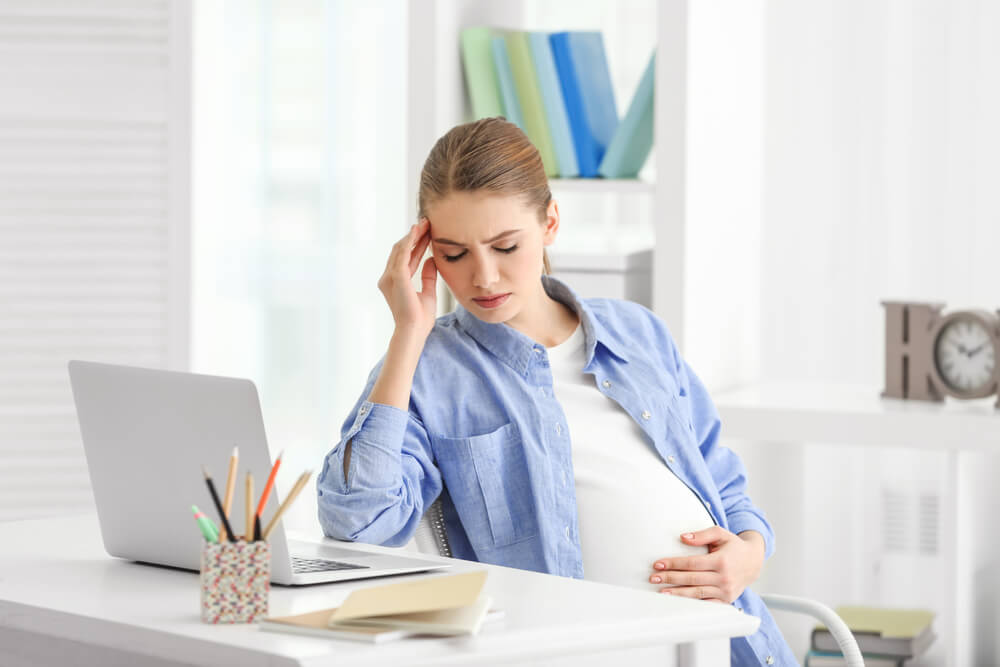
(431, 538)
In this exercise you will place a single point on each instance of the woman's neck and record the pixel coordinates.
(549, 322)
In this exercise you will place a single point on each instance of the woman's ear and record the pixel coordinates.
(551, 223)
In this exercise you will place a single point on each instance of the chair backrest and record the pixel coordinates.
(430, 536)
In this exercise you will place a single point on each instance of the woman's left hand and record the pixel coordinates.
(732, 563)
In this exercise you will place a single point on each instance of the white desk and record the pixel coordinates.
(63, 600)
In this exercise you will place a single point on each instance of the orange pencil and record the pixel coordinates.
(227, 501)
(270, 483)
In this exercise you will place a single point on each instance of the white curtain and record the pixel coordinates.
(298, 194)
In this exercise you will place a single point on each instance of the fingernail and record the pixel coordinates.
(689, 536)
(656, 580)
(659, 566)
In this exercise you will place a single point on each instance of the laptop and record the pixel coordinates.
(147, 433)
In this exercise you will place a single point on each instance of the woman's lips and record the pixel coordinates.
(492, 301)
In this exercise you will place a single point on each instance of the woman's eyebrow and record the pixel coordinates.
(495, 238)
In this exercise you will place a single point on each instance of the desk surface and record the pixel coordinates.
(56, 579)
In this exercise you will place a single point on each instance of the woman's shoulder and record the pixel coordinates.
(444, 344)
(629, 321)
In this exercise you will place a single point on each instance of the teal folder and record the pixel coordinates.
(633, 139)
(555, 107)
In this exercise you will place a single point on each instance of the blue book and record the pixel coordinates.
(585, 81)
(552, 100)
(633, 139)
(506, 79)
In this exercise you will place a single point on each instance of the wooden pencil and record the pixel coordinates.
(248, 535)
(303, 478)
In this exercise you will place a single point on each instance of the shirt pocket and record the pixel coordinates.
(487, 477)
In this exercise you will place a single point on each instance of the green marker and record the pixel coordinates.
(208, 528)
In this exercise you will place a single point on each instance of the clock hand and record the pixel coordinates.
(961, 348)
(976, 350)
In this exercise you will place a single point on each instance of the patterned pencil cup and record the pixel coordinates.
(235, 581)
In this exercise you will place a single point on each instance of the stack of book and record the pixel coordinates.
(886, 637)
(438, 605)
(557, 88)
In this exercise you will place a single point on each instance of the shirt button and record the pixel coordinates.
(364, 409)
(646, 415)
(606, 384)
(567, 532)
(559, 429)
(538, 350)
(670, 459)
(769, 660)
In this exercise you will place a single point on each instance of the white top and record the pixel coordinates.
(631, 508)
(56, 579)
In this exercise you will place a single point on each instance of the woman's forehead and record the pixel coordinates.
(477, 216)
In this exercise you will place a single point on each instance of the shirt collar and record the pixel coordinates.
(516, 349)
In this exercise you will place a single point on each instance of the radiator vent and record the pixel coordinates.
(910, 522)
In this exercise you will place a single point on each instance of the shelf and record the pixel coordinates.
(602, 185)
(855, 415)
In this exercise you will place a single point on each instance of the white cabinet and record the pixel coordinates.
(607, 275)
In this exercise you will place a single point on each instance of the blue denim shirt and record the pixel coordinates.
(484, 432)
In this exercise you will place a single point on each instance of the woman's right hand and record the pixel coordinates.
(414, 312)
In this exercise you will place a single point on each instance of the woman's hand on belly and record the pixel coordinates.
(732, 563)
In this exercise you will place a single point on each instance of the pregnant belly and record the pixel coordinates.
(620, 543)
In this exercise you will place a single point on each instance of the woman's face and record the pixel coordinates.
(488, 249)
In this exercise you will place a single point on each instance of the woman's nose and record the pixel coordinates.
(485, 273)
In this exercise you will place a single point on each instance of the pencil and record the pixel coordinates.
(270, 483)
(226, 530)
(288, 501)
(231, 484)
(248, 535)
(256, 528)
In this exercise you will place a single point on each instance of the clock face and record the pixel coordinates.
(964, 355)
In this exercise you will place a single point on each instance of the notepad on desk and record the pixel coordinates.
(443, 606)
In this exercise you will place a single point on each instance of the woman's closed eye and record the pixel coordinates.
(455, 258)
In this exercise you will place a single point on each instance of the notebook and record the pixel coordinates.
(442, 606)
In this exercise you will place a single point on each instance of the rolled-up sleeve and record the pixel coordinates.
(724, 464)
(390, 478)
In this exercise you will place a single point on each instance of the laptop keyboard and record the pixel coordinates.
(302, 565)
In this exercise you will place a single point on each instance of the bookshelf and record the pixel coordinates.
(622, 186)
(856, 415)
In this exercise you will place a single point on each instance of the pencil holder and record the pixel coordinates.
(235, 581)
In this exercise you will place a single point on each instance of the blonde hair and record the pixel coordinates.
(492, 155)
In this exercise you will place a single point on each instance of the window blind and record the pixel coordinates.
(94, 208)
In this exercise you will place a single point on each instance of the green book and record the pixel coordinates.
(480, 73)
(633, 138)
(901, 633)
(530, 96)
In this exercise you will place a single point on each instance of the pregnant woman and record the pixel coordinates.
(563, 434)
